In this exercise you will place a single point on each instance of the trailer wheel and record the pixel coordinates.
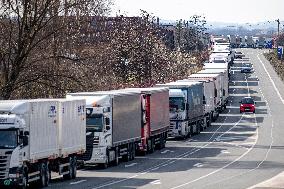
(152, 149)
(68, 176)
(116, 162)
(132, 156)
(74, 167)
(42, 181)
(48, 174)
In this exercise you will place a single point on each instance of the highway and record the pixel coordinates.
(237, 151)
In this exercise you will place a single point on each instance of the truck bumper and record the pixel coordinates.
(98, 156)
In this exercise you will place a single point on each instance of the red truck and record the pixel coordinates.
(155, 118)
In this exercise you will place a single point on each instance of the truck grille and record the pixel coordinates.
(96, 141)
(89, 148)
(4, 163)
(172, 126)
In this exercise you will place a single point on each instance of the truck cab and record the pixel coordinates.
(13, 142)
(178, 113)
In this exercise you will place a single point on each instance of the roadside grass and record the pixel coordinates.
(277, 64)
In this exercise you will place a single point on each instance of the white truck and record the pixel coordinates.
(224, 83)
(250, 42)
(39, 136)
(217, 80)
(186, 108)
(224, 52)
(218, 66)
(113, 125)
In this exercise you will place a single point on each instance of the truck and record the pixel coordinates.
(209, 107)
(224, 83)
(217, 81)
(155, 118)
(233, 41)
(39, 136)
(261, 42)
(218, 66)
(250, 42)
(225, 52)
(186, 108)
(113, 126)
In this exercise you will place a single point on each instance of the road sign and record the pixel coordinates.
(280, 50)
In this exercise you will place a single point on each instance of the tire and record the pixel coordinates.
(42, 181)
(68, 176)
(116, 161)
(133, 151)
(24, 181)
(48, 175)
(152, 145)
(241, 112)
(74, 167)
(106, 164)
(254, 111)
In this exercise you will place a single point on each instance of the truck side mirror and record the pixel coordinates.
(107, 127)
(107, 121)
(25, 140)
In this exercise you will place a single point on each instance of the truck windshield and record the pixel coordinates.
(176, 103)
(95, 122)
(8, 139)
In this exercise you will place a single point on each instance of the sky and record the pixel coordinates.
(229, 11)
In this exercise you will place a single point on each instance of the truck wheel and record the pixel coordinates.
(48, 174)
(152, 145)
(68, 176)
(116, 162)
(24, 181)
(149, 146)
(74, 167)
(106, 164)
(134, 151)
(43, 176)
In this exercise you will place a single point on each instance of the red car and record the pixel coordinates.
(247, 105)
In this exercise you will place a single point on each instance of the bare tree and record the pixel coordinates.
(37, 35)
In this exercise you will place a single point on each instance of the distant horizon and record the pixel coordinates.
(240, 12)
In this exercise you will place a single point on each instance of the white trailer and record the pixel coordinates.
(40, 136)
(217, 81)
(224, 80)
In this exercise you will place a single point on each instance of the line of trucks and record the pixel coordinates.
(104, 127)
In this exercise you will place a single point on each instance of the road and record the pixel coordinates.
(237, 151)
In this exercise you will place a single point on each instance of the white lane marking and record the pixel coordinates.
(225, 152)
(78, 182)
(156, 182)
(130, 165)
(166, 151)
(271, 80)
(198, 165)
(218, 170)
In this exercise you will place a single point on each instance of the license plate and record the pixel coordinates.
(247, 109)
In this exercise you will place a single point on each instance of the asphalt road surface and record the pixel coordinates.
(237, 151)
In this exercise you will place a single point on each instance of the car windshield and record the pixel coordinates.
(247, 101)
(8, 139)
(94, 122)
(176, 103)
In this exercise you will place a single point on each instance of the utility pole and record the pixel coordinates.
(278, 23)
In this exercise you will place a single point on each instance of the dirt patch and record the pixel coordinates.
(277, 64)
